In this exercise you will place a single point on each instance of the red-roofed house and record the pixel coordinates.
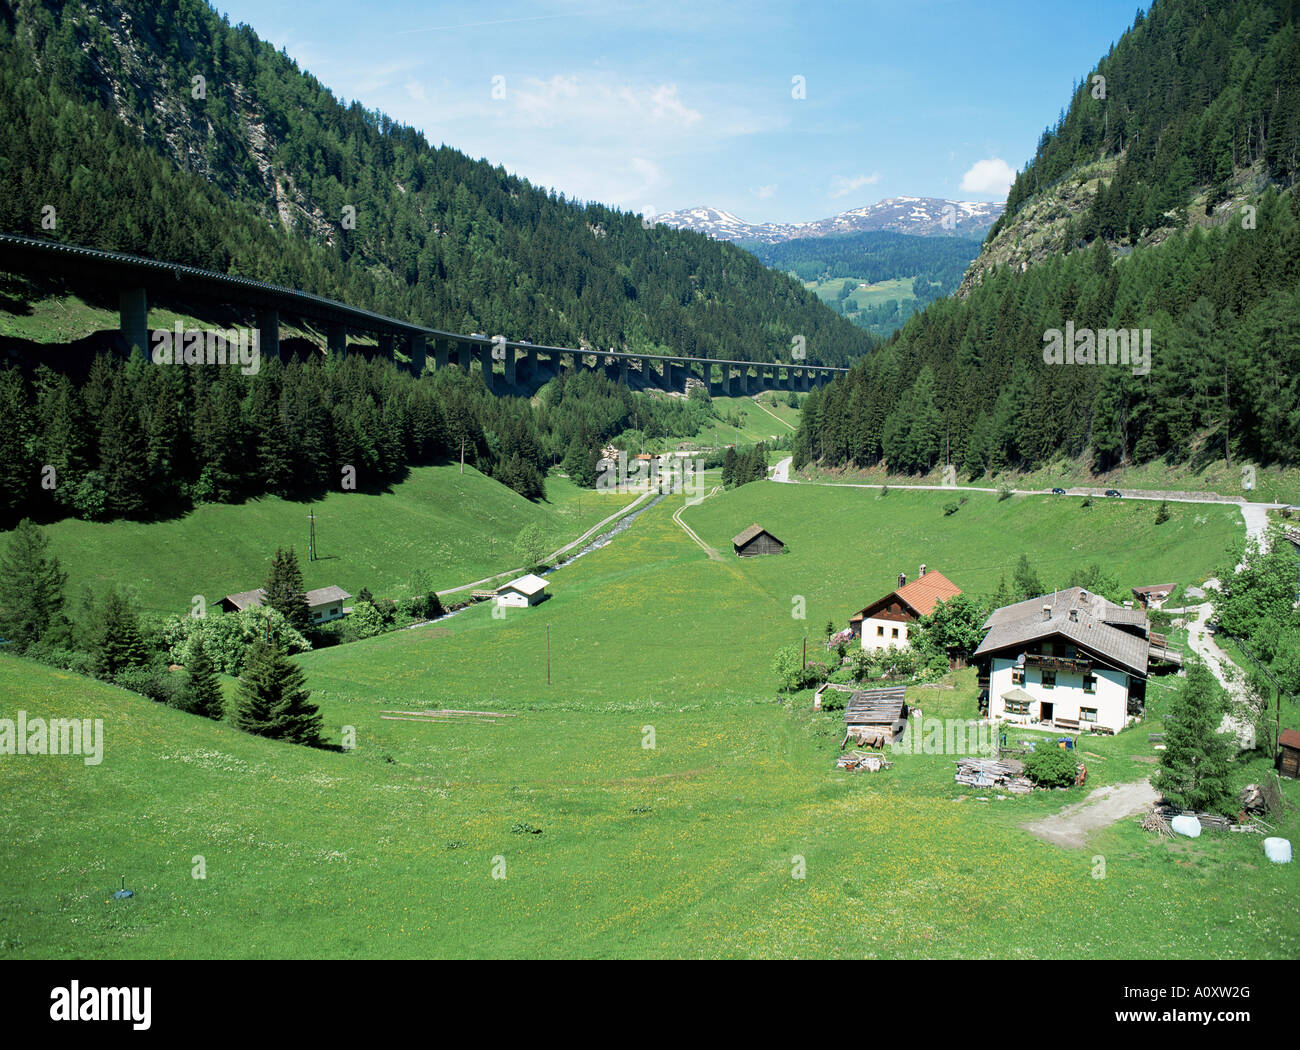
(885, 621)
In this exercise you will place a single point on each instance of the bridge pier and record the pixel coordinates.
(484, 351)
(511, 368)
(439, 354)
(726, 381)
(417, 349)
(268, 332)
(336, 340)
(622, 370)
(386, 343)
(463, 351)
(133, 307)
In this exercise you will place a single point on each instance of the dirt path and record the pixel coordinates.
(783, 422)
(1070, 827)
(1203, 644)
(677, 517)
(781, 472)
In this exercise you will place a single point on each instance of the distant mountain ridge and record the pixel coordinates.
(919, 216)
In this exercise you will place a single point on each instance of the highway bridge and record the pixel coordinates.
(139, 280)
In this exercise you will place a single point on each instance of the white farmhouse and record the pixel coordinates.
(885, 622)
(525, 591)
(1068, 660)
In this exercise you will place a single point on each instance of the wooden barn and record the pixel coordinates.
(756, 540)
(1288, 745)
(876, 717)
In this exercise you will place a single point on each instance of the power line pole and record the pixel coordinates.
(311, 539)
(462, 455)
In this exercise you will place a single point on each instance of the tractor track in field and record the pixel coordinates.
(677, 517)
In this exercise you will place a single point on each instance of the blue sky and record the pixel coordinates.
(665, 104)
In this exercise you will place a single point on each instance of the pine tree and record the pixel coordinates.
(118, 643)
(1025, 581)
(284, 589)
(203, 693)
(273, 700)
(1195, 767)
(31, 587)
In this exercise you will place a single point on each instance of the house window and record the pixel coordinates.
(880, 630)
(894, 632)
(1017, 707)
(1087, 714)
(1049, 679)
(1017, 676)
(1047, 648)
(1090, 683)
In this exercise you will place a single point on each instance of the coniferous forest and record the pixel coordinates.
(1197, 96)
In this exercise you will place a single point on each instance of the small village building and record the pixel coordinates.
(523, 592)
(876, 717)
(326, 603)
(323, 604)
(1069, 660)
(1154, 596)
(756, 540)
(1288, 745)
(885, 622)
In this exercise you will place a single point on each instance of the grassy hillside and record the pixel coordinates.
(683, 849)
(457, 528)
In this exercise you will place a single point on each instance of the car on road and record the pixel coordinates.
(1112, 492)
(1058, 492)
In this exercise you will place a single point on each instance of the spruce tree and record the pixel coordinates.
(1196, 765)
(273, 700)
(203, 694)
(284, 589)
(31, 587)
(118, 644)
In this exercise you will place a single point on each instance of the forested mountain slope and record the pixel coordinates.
(101, 122)
(1202, 104)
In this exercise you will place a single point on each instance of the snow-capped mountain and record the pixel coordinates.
(921, 216)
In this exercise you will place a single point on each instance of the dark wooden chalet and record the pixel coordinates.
(756, 540)
(1288, 763)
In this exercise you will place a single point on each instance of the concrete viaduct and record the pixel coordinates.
(139, 279)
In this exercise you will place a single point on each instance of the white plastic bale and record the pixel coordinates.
(1278, 850)
(1185, 825)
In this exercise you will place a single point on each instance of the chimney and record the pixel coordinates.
(1047, 612)
(922, 572)
(1074, 615)
(902, 579)
(1083, 595)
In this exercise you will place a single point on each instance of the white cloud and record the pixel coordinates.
(842, 187)
(764, 192)
(992, 178)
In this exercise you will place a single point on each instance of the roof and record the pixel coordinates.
(1076, 598)
(246, 599)
(1019, 695)
(875, 706)
(528, 584)
(1156, 588)
(1289, 738)
(325, 595)
(750, 533)
(1125, 650)
(925, 592)
(921, 595)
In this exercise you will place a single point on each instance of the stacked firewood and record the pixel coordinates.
(989, 772)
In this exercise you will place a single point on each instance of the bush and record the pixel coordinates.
(163, 686)
(1004, 492)
(1051, 766)
(949, 509)
(1162, 513)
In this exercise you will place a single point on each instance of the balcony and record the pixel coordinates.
(1072, 664)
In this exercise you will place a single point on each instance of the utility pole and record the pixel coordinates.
(548, 654)
(462, 455)
(805, 652)
(311, 539)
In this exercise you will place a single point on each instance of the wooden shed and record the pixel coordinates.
(756, 540)
(876, 716)
(1288, 745)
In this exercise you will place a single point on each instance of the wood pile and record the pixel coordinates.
(1208, 821)
(1155, 822)
(988, 772)
(862, 760)
(867, 736)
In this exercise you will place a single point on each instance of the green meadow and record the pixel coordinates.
(656, 798)
(456, 527)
